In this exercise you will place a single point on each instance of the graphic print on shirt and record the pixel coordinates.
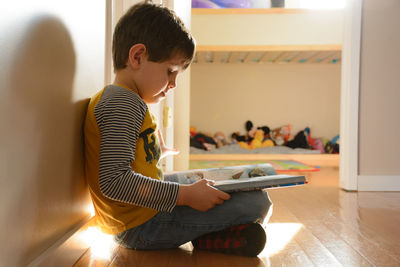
(152, 153)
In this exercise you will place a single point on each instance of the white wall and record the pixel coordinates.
(224, 96)
(379, 96)
(320, 27)
(51, 62)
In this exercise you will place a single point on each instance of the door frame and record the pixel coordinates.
(350, 92)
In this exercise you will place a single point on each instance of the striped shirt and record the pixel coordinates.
(120, 114)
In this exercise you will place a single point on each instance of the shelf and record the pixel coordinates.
(261, 57)
(275, 35)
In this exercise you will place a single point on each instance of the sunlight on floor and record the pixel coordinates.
(278, 236)
(101, 245)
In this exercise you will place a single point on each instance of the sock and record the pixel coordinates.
(244, 239)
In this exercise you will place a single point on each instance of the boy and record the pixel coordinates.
(150, 48)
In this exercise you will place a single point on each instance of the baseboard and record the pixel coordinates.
(378, 183)
(66, 251)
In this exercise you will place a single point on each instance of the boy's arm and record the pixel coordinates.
(120, 117)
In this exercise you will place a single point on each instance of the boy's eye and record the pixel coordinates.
(170, 71)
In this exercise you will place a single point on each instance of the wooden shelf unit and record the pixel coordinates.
(271, 35)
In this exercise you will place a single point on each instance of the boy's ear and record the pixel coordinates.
(137, 54)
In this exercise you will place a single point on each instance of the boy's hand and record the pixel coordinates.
(200, 195)
(165, 151)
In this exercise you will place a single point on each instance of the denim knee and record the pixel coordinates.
(255, 205)
(262, 206)
(268, 205)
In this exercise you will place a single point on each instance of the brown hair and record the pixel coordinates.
(158, 28)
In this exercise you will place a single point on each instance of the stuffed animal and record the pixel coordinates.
(332, 146)
(299, 141)
(281, 135)
(310, 140)
(193, 131)
(201, 140)
(257, 142)
(315, 143)
(250, 130)
(285, 130)
(219, 137)
(319, 145)
(266, 132)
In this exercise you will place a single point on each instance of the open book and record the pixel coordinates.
(238, 178)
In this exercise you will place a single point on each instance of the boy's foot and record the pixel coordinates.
(244, 239)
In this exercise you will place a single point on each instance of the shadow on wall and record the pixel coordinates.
(42, 185)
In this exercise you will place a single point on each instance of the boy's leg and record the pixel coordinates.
(184, 224)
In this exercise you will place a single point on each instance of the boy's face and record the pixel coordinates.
(156, 79)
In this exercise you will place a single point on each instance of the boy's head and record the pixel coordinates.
(158, 29)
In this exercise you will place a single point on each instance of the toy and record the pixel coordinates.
(206, 141)
(278, 139)
(281, 135)
(266, 131)
(233, 3)
(310, 140)
(219, 137)
(285, 131)
(257, 142)
(204, 4)
(250, 130)
(314, 143)
(299, 141)
(201, 140)
(319, 145)
(192, 131)
(332, 146)
(236, 137)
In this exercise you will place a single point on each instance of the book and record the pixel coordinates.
(238, 178)
(258, 183)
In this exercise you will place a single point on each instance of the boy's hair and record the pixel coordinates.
(158, 28)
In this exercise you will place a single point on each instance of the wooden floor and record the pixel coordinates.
(313, 225)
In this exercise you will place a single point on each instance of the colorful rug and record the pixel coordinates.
(279, 165)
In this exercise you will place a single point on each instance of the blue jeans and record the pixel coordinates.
(184, 224)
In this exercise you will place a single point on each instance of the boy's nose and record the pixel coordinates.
(172, 83)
